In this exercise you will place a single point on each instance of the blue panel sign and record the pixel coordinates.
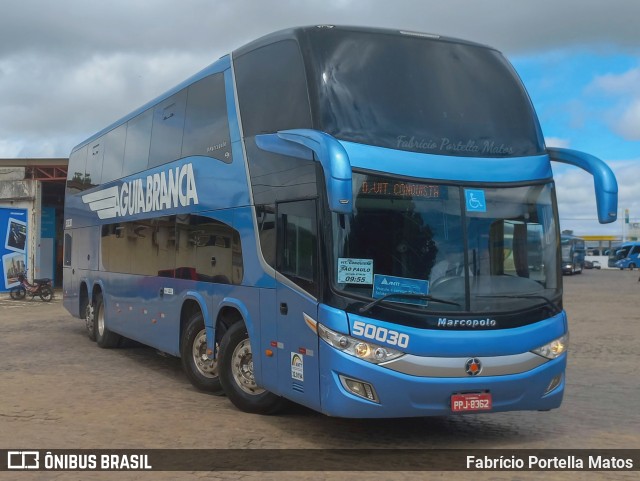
(386, 285)
(13, 246)
(48, 223)
(475, 200)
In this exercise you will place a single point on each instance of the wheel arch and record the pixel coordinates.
(97, 288)
(83, 298)
(232, 310)
(190, 306)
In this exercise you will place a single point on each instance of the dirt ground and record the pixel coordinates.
(58, 390)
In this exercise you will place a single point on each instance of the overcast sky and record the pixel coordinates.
(68, 68)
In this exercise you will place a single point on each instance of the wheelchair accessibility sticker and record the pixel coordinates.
(475, 200)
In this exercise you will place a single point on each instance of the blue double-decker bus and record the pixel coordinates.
(361, 221)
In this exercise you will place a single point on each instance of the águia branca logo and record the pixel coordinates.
(163, 190)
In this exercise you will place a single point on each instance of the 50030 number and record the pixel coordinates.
(380, 334)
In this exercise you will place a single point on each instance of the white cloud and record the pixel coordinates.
(577, 202)
(557, 142)
(10, 148)
(68, 68)
(624, 117)
(618, 84)
(628, 126)
(52, 108)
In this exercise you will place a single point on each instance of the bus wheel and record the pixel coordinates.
(236, 374)
(89, 320)
(632, 266)
(201, 371)
(104, 337)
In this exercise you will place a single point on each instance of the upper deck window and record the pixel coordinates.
(272, 90)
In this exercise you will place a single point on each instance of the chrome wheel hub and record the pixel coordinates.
(100, 318)
(242, 368)
(205, 366)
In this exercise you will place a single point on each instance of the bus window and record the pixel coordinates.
(113, 153)
(208, 250)
(279, 99)
(67, 249)
(93, 169)
(206, 129)
(75, 175)
(136, 151)
(168, 127)
(297, 243)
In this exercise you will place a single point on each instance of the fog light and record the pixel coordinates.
(555, 382)
(359, 388)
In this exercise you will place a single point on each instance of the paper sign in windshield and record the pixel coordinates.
(387, 285)
(355, 271)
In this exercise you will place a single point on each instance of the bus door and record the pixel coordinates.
(296, 292)
(69, 275)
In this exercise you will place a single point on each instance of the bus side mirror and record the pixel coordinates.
(604, 180)
(329, 152)
(335, 165)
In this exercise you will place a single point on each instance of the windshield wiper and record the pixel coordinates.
(547, 301)
(406, 295)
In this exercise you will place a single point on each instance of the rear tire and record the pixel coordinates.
(632, 266)
(200, 370)
(104, 337)
(235, 368)
(46, 293)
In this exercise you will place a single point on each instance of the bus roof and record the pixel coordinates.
(219, 65)
(297, 33)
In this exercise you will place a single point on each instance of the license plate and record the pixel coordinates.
(471, 402)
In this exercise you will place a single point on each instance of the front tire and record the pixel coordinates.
(17, 293)
(104, 337)
(200, 370)
(236, 374)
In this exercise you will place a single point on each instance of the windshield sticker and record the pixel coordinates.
(355, 271)
(475, 200)
(389, 285)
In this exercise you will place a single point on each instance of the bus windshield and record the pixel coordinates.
(436, 240)
(419, 94)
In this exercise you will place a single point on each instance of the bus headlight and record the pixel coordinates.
(555, 348)
(364, 350)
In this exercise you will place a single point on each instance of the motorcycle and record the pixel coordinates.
(40, 287)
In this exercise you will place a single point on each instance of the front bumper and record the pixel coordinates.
(402, 395)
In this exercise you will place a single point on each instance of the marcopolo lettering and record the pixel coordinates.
(163, 190)
(473, 323)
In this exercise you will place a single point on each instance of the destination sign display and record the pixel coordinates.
(391, 188)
